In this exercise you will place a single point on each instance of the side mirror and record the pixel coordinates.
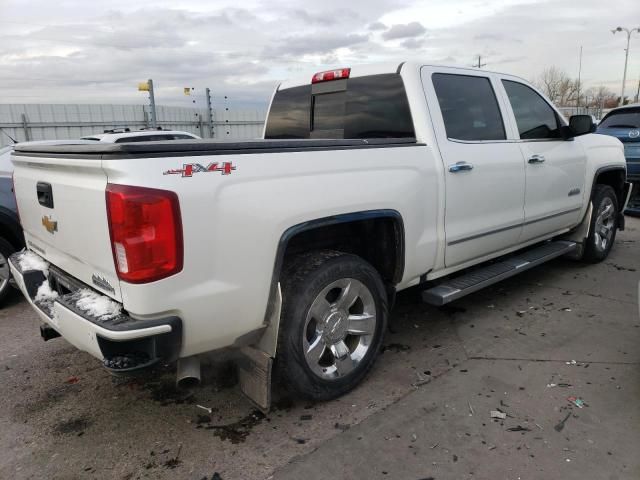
(581, 125)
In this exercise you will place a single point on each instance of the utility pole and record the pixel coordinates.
(638, 92)
(148, 87)
(212, 132)
(479, 64)
(579, 78)
(626, 55)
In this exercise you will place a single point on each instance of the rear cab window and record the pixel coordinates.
(374, 106)
(469, 107)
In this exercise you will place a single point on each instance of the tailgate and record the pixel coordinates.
(62, 207)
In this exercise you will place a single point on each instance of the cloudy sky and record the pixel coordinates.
(81, 51)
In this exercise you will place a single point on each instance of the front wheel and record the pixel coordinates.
(604, 224)
(333, 320)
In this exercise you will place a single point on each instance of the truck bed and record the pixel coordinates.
(176, 148)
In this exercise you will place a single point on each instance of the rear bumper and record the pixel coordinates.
(121, 342)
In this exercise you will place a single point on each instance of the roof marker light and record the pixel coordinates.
(338, 74)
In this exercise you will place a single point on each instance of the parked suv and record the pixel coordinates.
(624, 124)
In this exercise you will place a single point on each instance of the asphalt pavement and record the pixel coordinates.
(554, 351)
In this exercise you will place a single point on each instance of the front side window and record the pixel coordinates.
(469, 107)
(535, 118)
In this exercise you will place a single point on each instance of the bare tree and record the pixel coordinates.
(558, 86)
(601, 97)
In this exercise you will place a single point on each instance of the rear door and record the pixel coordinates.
(555, 168)
(484, 169)
(62, 208)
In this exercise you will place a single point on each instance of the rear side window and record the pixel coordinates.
(469, 107)
(626, 118)
(374, 106)
(290, 113)
(535, 118)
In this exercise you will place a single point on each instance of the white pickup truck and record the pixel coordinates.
(370, 180)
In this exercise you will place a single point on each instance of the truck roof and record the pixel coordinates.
(361, 70)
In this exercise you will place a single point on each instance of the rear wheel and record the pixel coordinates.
(333, 320)
(604, 224)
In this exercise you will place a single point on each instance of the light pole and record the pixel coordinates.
(626, 55)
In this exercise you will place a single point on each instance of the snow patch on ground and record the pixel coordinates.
(96, 305)
(45, 293)
(31, 261)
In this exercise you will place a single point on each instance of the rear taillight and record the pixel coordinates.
(146, 232)
(331, 75)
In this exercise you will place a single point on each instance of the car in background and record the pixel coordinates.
(624, 124)
(124, 135)
(11, 238)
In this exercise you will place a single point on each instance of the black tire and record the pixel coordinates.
(594, 251)
(6, 249)
(305, 280)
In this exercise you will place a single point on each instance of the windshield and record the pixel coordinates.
(627, 118)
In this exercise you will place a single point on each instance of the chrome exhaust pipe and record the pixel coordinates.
(188, 374)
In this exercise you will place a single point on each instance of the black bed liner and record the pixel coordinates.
(202, 147)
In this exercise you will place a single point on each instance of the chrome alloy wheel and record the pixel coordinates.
(339, 328)
(604, 224)
(5, 273)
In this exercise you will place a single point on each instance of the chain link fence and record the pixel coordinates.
(25, 122)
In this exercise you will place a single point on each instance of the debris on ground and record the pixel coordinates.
(395, 347)
(175, 461)
(563, 385)
(519, 428)
(470, 409)
(565, 309)
(577, 401)
(206, 409)
(560, 425)
(498, 414)
(73, 379)
(422, 380)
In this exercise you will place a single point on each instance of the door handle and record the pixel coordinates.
(536, 159)
(460, 167)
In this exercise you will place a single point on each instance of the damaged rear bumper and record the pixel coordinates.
(123, 343)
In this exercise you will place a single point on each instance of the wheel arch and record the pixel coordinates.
(327, 232)
(615, 177)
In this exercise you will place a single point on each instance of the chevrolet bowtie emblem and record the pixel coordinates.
(50, 225)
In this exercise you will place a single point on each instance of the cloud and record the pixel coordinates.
(376, 26)
(413, 29)
(313, 44)
(412, 43)
(78, 51)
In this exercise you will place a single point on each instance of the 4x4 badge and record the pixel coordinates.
(50, 225)
(188, 169)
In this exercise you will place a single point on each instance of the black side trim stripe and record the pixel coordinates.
(510, 227)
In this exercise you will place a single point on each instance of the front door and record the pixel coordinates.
(554, 168)
(483, 169)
